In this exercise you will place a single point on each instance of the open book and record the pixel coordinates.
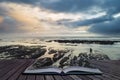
(68, 70)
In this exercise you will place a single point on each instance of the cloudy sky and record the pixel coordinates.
(60, 17)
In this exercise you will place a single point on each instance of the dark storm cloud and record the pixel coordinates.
(20, 1)
(99, 25)
(86, 22)
(111, 27)
(70, 5)
(111, 6)
(60, 5)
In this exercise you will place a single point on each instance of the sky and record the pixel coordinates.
(59, 17)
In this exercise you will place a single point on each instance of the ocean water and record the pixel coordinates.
(112, 51)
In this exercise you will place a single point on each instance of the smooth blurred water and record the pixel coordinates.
(111, 50)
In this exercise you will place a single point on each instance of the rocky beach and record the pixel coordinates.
(60, 53)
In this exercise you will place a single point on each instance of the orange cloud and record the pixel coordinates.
(31, 19)
(1, 19)
(25, 17)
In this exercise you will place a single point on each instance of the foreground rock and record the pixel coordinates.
(43, 62)
(20, 52)
(63, 62)
(81, 60)
(59, 54)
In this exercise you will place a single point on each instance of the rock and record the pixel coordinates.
(52, 51)
(57, 56)
(43, 62)
(104, 42)
(63, 60)
(38, 53)
(22, 52)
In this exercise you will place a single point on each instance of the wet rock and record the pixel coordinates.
(83, 59)
(38, 53)
(98, 57)
(52, 51)
(20, 52)
(63, 60)
(43, 62)
(103, 42)
(57, 56)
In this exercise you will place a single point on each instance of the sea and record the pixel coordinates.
(112, 51)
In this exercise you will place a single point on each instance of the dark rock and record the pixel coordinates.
(57, 56)
(20, 52)
(105, 42)
(43, 62)
(52, 51)
(38, 53)
(63, 60)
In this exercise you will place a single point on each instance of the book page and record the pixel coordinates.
(44, 70)
(81, 69)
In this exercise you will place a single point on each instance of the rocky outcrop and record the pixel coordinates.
(105, 42)
(21, 52)
(81, 60)
(57, 56)
(63, 62)
(51, 51)
(43, 62)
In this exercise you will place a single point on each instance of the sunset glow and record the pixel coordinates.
(38, 19)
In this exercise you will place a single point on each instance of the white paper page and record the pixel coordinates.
(43, 70)
(84, 69)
